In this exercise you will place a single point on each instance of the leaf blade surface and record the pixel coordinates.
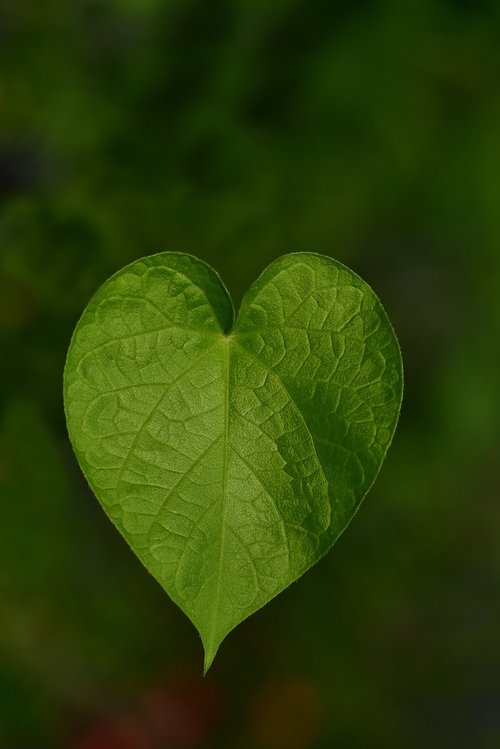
(231, 457)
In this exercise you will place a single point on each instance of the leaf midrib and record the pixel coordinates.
(212, 648)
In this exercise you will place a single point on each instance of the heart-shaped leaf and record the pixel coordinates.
(231, 457)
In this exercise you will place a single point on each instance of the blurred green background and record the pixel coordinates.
(239, 130)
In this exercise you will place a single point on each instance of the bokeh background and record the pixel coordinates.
(239, 130)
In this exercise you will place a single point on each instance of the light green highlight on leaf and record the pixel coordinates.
(231, 456)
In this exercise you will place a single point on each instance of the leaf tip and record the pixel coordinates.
(209, 659)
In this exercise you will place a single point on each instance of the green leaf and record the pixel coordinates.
(231, 457)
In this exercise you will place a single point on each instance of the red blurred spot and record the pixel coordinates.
(120, 733)
(184, 711)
